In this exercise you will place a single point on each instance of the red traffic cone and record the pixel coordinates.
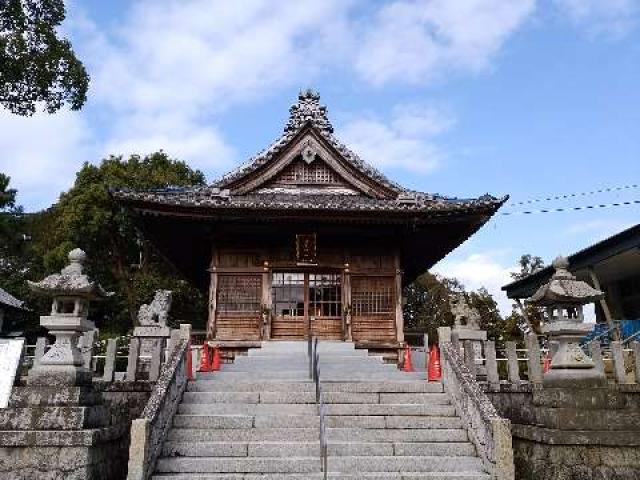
(434, 373)
(204, 358)
(407, 366)
(215, 362)
(546, 363)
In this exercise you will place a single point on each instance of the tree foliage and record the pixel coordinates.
(17, 262)
(87, 217)
(428, 306)
(529, 264)
(36, 65)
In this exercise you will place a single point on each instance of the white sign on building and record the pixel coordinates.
(10, 353)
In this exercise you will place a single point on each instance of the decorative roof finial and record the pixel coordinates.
(308, 109)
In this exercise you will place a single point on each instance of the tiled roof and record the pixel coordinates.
(221, 200)
(9, 300)
(307, 110)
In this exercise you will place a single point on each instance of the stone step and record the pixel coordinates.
(308, 449)
(397, 435)
(244, 435)
(238, 465)
(310, 421)
(299, 375)
(249, 397)
(324, 370)
(398, 386)
(246, 409)
(257, 386)
(311, 464)
(303, 376)
(336, 358)
(245, 421)
(330, 476)
(386, 398)
(309, 397)
(406, 464)
(437, 410)
(311, 435)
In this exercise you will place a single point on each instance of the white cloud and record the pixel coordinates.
(416, 40)
(42, 153)
(480, 270)
(600, 228)
(612, 17)
(164, 75)
(406, 142)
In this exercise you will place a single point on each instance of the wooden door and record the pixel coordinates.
(306, 300)
(289, 295)
(325, 305)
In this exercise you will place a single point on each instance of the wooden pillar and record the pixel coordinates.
(399, 315)
(267, 302)
(213, 297)
(604, 305)
(346, 304)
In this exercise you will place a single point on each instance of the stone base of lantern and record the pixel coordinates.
(571, 367)
(59, 375)
(574, 378)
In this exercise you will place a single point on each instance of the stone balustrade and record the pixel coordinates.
(512, 366)
(149, 431)
(489, 432)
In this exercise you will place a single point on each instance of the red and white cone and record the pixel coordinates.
(434, 373)
(407, 366)
(204, 358)
(215, 362)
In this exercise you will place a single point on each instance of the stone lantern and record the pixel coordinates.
(71, 290)
(562, 299)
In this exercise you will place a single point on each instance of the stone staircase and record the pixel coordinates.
(257, 419)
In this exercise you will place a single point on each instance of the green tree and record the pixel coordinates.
(36, 66)
(427, 303)
(86, 216)
(528, 264)
(428, 306)
(17, 264)
(497, 328)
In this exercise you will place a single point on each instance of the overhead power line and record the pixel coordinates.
(572, 209)
(573, 195)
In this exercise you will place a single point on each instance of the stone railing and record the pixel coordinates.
(514, 367)
(490, 433)
(149, 432)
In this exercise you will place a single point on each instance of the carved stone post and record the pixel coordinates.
(153, 331)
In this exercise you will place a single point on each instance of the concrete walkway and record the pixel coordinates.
(257, 419)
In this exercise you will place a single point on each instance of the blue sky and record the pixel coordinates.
(461, 97)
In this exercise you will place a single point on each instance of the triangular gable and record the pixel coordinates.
(325, 165)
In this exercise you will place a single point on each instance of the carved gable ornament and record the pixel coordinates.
(309, 151)
(307, 138)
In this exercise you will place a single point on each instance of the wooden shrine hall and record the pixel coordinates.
(305, 238)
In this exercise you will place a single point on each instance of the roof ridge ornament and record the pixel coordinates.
(308, 110)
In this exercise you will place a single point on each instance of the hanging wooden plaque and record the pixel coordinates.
(306, 252)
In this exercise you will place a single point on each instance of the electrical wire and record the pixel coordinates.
(573, 209)
(573, 195)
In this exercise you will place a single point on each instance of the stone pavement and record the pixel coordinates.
(257, 419)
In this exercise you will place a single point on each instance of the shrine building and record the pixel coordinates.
(305, 238)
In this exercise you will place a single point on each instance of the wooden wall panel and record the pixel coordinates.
(238, 307)
(373, 308)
